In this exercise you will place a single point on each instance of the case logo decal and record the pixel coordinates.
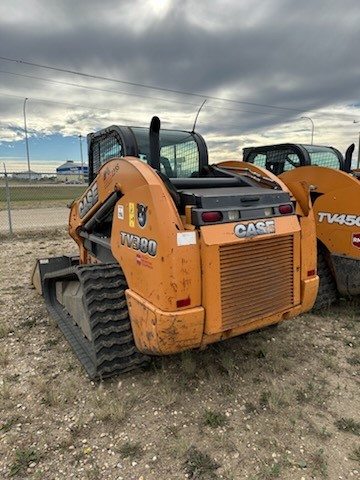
(141, 214)
(89, 200)
(253, 229)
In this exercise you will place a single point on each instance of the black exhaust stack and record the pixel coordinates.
(348, 157)
(154, 133)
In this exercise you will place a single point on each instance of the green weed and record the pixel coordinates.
(348, 425)
(355, 455)
(23, 458)
(199, 465)
(130, 450)
(214, 419)
(319, 462)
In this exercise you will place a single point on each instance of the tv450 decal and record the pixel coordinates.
(340, 218)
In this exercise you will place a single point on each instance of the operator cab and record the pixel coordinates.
(283, 157)
(182, 154)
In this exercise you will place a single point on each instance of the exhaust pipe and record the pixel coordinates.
(154, 134)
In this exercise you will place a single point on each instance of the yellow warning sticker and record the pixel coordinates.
(131, 215)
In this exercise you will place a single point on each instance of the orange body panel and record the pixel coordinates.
(336, 193)
(159, 333)
(189, 287)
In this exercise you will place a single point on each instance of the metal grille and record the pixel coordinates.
(257, 279)
(277, 161)
(183, 159)
(104, 148)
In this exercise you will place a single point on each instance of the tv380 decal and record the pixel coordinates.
(142, 244)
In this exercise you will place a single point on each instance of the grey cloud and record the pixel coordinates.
(302, 56)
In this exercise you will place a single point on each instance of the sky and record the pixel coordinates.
(271, 71)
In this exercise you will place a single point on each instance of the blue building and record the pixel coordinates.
(72, 172)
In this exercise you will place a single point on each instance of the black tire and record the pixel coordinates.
(328, 294)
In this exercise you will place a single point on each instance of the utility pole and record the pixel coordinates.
(358, 160)
(26, 140)
(81, 157)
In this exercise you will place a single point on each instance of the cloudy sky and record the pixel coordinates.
(261, 65)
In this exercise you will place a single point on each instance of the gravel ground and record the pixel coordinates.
(24, 219)
(280, 403)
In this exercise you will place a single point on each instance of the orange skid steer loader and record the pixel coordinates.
(173, 253)
(335, 195)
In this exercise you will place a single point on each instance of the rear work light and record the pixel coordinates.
(284, 209)
(211, 217)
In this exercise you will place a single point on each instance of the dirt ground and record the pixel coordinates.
(280, 403)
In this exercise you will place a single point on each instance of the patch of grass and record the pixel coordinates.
(355, 455)
(319, 462)
(274, 399)
(348, 425)
(28, 323)
(227, 362)
(273, 469)
(354, 360)
(250, 407)
(111, 407)
(167, 393)
(4, 329)
(199, 465)
(314, 392)
(4, 357)
(325, 432)
(130, 450)
(214, 419)
(4, 389)
(350, 342)
(38, 195)
(188, 365)
(269, 472)
(8, 424)
(23, 458)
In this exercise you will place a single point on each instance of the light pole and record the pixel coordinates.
(312, 128)
(26, 140)
(358, 160)
(81, 157)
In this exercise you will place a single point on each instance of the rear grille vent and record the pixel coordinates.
(257, 279)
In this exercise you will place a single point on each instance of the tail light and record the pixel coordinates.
(185, 302)
(284, 209)
(209, 217)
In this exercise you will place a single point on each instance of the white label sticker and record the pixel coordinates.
(186, 238)
(44, 261)
(121, 212)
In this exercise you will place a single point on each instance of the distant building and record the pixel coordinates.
(72, 172)
(26, 175)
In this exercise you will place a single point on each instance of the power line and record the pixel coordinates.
(142, 85)
(130, 94)
(55, 102)
(117, 92)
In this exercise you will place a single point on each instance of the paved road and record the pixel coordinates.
(34, 218)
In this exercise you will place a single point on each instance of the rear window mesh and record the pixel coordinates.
(105, 147)
(277, 161)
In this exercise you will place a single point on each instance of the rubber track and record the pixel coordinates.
(328, 293)
(112, 350)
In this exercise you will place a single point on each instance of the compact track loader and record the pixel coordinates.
(175, 254)
(335, 195)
